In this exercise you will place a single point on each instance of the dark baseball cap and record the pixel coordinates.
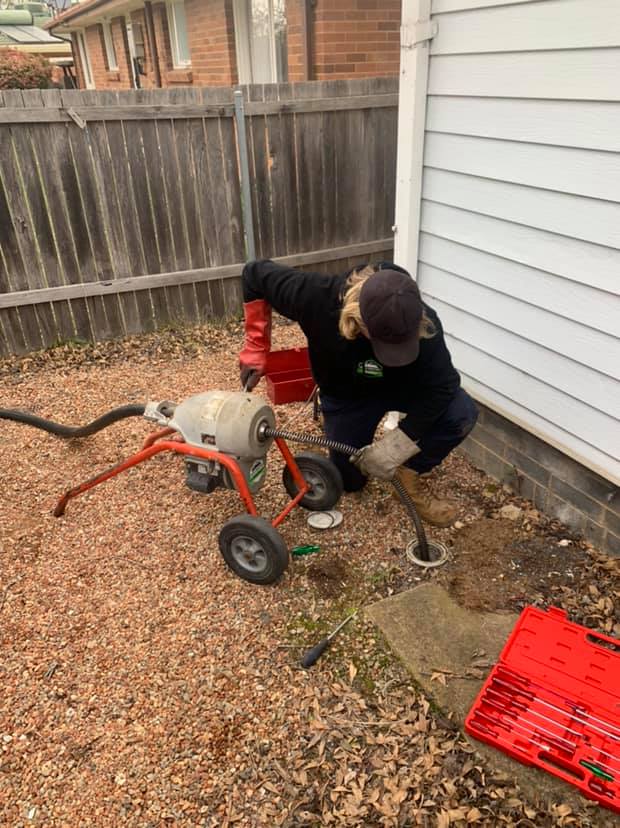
(391, 309)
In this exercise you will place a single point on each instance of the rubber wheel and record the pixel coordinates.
(253, 549)
(321, 474)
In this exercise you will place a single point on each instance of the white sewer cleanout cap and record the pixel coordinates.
(325, 520)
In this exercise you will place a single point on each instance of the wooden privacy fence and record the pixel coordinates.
(121, 212)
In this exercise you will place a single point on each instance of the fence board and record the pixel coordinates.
(141, 111)
(157, 280)
(24, 261)
(312, 168)
(272, 236)
(225, 190)
(123, 266)
(169, 201)
(159, 151)
(25, 216)
(13, 331)
(7, 341)
(228, 143)
(282, 196)
(187, 203)
(90, 187)
(5, 349)
(348, 169)
(50, 152)
(216, 297)
(97, 252)
(45, 148)
(138, 310)
(157, 194)
(26, 168)
(135, 221)
(14, 276)
(260, 185)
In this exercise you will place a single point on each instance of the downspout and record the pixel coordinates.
(416, 32)
(150, 33)
(307, 22)
(77, 61)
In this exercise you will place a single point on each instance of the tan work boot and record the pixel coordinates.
(437, 512)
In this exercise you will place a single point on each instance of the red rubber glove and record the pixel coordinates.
(253, 357)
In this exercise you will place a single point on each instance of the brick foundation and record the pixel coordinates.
(556, 484)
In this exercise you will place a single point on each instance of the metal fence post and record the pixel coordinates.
(246, 193)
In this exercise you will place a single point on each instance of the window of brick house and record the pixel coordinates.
(179, 42)
(85, 60)
(138, 39)
(135, 45)
(110, 51)
(261, 43)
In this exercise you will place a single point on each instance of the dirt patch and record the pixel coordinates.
(496, 565)
(328, 575)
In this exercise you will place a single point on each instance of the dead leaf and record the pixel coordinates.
(443, 820)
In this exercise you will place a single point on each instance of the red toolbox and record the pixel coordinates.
(553, 701)
(288, 376)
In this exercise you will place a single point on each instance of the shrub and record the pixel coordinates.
(20, 70)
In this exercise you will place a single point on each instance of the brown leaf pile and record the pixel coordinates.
(142, 684)
(383, 759)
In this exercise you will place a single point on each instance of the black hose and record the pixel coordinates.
(343, 448)
(67, 432)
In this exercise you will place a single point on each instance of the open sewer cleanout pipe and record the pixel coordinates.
(419, 551)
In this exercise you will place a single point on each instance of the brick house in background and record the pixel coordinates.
(120, 44)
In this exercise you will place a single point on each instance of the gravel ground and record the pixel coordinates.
(143, 684)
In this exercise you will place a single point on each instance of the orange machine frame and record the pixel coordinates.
(155, 444)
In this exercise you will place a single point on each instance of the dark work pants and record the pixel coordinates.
(355, 421)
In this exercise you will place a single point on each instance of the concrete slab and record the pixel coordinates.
(430, 633)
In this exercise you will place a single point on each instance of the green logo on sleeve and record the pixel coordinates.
(369, 368)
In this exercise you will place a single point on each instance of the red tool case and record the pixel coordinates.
(288, 376)
(553, 701)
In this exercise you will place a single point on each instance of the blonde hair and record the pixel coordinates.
(351, 324)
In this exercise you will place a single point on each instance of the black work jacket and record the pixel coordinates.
(348, 369)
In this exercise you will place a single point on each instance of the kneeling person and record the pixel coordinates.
(374, 347)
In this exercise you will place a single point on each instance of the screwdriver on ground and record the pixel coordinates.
(313, 655)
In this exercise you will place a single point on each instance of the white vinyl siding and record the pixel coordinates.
(519, 248)
(439, 6)
(582, 74)
(554, 24)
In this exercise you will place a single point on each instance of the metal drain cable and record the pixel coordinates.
(343, 448)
